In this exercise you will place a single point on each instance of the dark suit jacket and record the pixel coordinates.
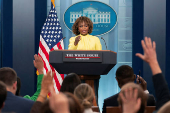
(161, 90)
(112, 101)
(17, 104)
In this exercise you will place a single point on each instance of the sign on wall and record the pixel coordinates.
(103, 16)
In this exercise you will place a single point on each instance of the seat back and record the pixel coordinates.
(110, 109)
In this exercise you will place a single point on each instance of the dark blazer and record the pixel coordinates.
(17, 104)
(112, 101)
(161, 90)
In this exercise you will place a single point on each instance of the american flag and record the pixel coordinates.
(51, 38)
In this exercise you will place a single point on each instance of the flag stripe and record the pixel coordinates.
(47, 68)
(55, 87)
(44, 44)
(62, 44)
(56, 80)
(54, 48)
(59, 45)
(58, 77)
(45, 52)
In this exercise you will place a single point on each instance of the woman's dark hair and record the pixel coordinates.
(45, 108)
(18, 86)
(79, 20)
(70, 82)
(74, 105)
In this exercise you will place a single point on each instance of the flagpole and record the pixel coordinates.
(52, 3)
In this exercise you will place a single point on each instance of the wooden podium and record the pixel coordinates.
(88, 64)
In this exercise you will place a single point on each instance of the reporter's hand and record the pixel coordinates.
(143, 83)
(130, 102)
(149, 55)
(149, 49)
(46, 82)
(77, 40)
(38, 63)
(58, 102)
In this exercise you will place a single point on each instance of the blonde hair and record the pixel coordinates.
(85, 95)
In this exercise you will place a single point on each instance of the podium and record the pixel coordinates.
(88, 64)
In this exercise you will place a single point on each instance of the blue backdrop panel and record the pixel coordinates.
(137, 35)
(7, 37)
(23, 43)
(167, 70)
(155, 27)
(40, 17)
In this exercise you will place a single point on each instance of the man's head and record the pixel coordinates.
(141, 94)
(9, 77)
(3, 94)
(124, 74)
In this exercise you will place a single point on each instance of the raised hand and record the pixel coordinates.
(46, 82)
(38, 63)
(77, 40)
(130, 102)
(149, 55)
(142, 83)
(149, 49)
(58, 102)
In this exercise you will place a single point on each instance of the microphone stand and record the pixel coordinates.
(104, 42)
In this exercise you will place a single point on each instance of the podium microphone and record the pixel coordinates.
(104, 42)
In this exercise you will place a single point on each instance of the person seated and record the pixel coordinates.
(61, 103)
(45, 108)
(39, 65)
(124, 75)
(159, 82)
(3, 94)
(85, 95)
(74, 105)
(70, 82)
(47, 81)
(130, 91)
(13, 103)
(58, 102)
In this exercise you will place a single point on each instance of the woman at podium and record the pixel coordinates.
(82, 28)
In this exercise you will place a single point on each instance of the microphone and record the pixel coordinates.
(104, 42)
